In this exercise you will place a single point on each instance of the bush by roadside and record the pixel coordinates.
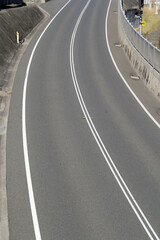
(151, 30)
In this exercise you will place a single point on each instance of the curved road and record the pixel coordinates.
(94, 154)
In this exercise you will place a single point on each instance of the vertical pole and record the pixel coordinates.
(150, 4)
(17, 36)
(157, 7)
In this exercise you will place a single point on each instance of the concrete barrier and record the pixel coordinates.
(23, 20)
(145, 71)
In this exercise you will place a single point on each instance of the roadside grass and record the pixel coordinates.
(152, 20)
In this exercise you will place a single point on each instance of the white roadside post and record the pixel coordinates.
(150, 4)
(157, 6)
(17, 36)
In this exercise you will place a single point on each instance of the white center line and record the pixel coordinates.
(134, 205)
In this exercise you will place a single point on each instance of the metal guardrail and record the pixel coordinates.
(142, 45)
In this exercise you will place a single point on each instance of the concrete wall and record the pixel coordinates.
(145, 71)
(23, 20)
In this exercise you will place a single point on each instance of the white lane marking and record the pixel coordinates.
(135, 96)
(137, 210)
(25, 146)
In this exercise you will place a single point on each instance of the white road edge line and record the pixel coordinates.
(24, 136)
(137, 210)
(135, 96)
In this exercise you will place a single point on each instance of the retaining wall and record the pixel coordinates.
(23, 20)
(146, 72)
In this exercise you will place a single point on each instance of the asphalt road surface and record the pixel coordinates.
(93, 153)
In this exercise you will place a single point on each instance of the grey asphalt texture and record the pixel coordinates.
(76, 195)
